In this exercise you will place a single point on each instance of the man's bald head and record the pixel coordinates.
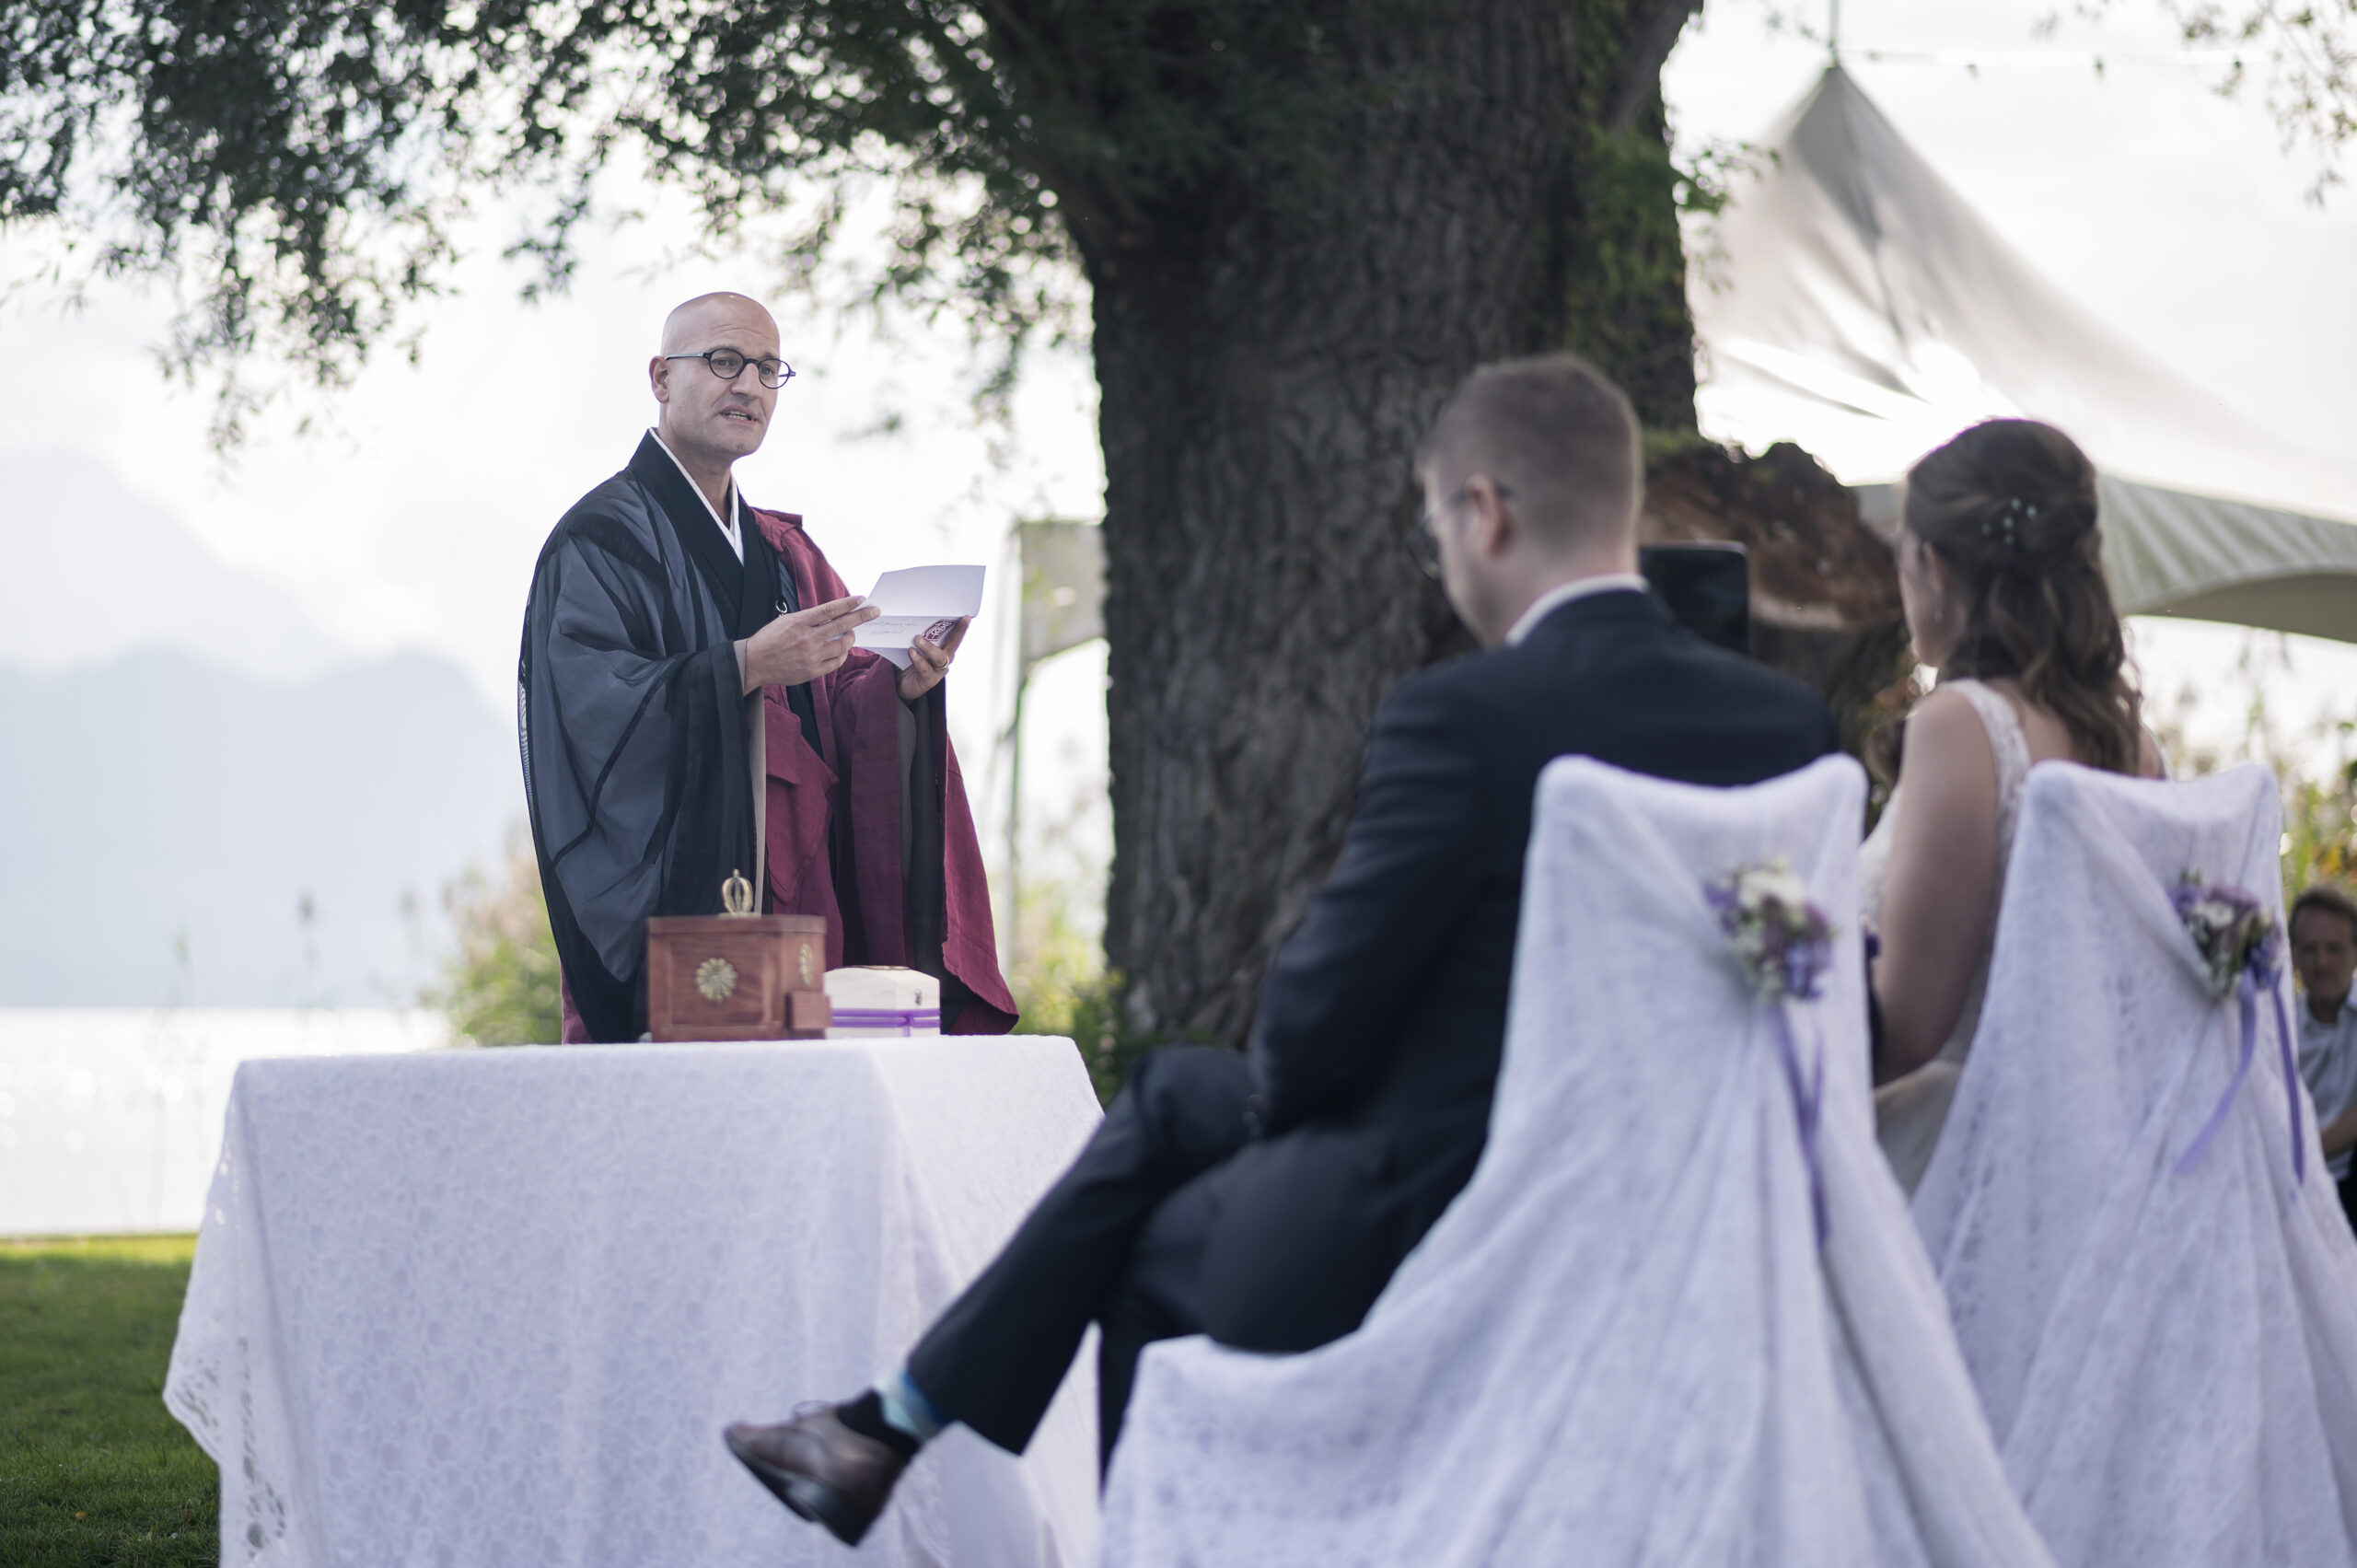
(687, 327)
(707, 421)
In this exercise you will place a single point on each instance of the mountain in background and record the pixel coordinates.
(204, 799)
(94, 572)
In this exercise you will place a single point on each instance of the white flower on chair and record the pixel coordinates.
(2232, 930)
(1780, 936)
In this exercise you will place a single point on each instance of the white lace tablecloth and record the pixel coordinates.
(472, 1308)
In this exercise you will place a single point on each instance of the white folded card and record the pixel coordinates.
(919, 601)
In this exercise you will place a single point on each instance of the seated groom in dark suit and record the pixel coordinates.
(1266, 1198)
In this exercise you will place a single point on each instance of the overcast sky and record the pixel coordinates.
(410, 514)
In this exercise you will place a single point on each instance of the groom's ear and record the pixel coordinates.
(1495, 529)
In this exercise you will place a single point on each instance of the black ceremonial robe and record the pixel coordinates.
(640, 745)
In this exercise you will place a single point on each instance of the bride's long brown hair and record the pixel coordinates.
(2010, 504)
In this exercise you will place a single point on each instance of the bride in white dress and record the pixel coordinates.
(2001, 576)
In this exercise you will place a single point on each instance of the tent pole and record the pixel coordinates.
(1833, 30)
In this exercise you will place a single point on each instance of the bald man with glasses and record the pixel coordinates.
(692, 704)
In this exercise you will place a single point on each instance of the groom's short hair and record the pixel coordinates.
(1554, 431)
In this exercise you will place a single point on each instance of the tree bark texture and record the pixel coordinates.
(1613, 253)
(1267, 356)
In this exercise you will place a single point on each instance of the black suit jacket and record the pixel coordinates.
(1376, 1046)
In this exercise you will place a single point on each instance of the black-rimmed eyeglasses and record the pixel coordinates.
(1423, 546)
(728, 364)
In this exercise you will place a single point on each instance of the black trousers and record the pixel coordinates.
(1118, 1242)
(2349, 1196)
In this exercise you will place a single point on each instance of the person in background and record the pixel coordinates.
(2324, 954)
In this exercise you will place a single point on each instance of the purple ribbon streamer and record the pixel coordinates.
(905, 1020)
(2247, 1007)
(1809, 1100)
(2290, 1084)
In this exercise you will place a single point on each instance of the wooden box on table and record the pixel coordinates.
(737, 977)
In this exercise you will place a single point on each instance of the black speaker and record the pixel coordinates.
(1707, 587)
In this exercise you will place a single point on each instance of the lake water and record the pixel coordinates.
(110, 1119)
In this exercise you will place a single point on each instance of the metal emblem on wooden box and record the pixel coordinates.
(716, 979)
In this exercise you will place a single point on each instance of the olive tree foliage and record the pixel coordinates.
(302, 163)
(2305, 56)
(299, 166)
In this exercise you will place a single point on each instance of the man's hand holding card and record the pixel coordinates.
(923, 615)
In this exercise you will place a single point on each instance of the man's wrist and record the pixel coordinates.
(743, 668)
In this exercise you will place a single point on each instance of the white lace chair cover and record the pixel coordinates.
(2169, 1361)
(1622, 1343)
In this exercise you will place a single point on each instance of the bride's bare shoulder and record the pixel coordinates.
(1946, 736)
(1940, 712)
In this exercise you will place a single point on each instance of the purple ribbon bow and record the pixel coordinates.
(2258, 976)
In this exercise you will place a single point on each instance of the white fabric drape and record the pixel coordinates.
(469, 1308)
(1621, 1344)
(2169, 1361)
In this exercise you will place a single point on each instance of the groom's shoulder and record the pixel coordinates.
(1612, 655)
(1717, 688)
(1740, 676)
(1599, 678)
(1750, 710)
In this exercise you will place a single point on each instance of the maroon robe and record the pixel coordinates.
(853, 793)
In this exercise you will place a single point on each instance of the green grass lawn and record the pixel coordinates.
(93, 1470)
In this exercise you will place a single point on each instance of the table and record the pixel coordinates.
(488, 1308)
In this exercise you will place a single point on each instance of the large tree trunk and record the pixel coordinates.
(1267, 360)
(1270, 348)
(1267, 354)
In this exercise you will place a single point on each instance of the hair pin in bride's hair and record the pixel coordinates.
(2005, 524)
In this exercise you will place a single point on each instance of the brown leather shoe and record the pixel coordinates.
(820, 1469)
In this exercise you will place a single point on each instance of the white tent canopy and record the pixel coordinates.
(1858, 306)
